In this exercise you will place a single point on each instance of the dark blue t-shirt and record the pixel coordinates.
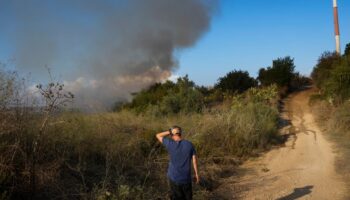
(181, 152)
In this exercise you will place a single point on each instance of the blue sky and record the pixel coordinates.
(248, 35)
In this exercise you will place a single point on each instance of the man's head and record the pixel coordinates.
(176, 132)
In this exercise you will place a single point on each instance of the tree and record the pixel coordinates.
(55, 97)
(236, 81)
(325, 64)
(150, 96)
(281, 72)
(347, 50)
(338, 85)
(169, 98)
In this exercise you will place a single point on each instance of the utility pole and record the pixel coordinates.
(336, 27)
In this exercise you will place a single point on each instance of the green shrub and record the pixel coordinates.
(150, 96)
(281, 72)
(338, 84)
(322, 71)
(347, 50)
(332, 76)
(215, 96)
(265, 95)
(236, 82)
(186, 100)
(169, 98)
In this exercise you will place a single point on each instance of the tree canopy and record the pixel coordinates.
(236, 81)
(281, 72)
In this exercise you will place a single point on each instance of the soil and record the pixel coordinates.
(304, 168)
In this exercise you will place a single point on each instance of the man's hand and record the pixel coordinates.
(161, 135)
(197, 179)
(195, 167)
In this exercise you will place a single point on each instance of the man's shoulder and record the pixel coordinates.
(167, 141)
(187, 142)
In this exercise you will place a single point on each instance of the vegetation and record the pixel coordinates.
(283, 75)
(335, 122)
(332, 76)
(236, 81)
(331, 106)
(347, 50)
(281, 72)
(169, 98)
(48, 152)
(322, 71)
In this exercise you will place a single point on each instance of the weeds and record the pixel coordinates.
(335, 122)
(55, 154)
(115, 156)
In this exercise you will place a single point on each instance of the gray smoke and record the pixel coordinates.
(104, 49)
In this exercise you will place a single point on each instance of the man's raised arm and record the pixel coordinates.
(195, 167)
(161, 135)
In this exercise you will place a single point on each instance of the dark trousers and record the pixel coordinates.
(180, 191)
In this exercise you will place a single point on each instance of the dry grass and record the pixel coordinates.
(335, 121)
(116, 156)
(55, 154)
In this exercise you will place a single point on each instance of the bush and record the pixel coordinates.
(236, 82)
(340, 122)
(267, 95)
(322, 71)
(299, 82)
(169, 98)
(281, 72)
(151, 96)
(187, 100)
(332, 76)
(347, 50)
(338, 85)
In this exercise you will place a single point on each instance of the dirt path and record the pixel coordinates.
(303, 169)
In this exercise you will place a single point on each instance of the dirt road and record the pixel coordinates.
(302, 169)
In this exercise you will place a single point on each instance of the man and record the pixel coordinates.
(179, 171)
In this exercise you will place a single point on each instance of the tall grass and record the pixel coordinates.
(116, 155)
(336, 123)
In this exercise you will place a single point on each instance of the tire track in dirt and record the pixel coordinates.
(302, 169)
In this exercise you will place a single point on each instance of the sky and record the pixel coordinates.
(248, 35)
(102, 50)
(89, 43)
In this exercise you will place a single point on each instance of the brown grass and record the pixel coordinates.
(335, 121)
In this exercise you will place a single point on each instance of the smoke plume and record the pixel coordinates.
(103, 49)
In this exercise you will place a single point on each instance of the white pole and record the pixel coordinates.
(336, 27)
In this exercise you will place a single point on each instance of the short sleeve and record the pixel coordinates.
(193, 152)
(166, 142)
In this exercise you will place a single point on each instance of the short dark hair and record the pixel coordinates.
(178, 128)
